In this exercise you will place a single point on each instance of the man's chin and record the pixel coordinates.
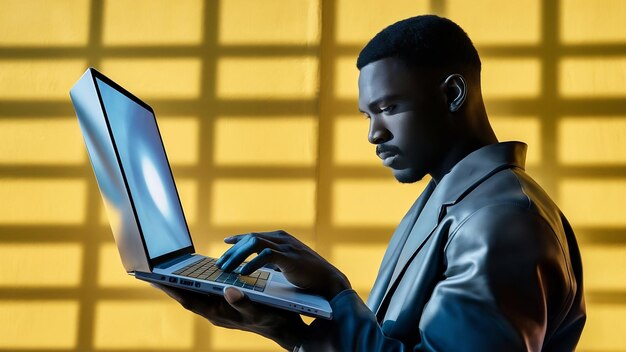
(408, 175)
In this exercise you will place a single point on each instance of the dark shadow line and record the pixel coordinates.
(90, 244)
(251, 108)
(73, 293)
(597, 236)
(180, 172)
(45, 171)
(592, 50)
(37, 232)
(606, 296)
(205, 173)
(604, 172)
(160, 51)
(522, 50)
(224, 107)
(101, 233)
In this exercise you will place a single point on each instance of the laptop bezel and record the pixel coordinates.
(152, 262)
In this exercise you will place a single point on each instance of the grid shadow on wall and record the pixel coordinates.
(257, 106)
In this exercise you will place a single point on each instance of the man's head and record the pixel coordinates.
(419, 85)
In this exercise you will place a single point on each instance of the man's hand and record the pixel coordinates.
(299, 263)
(236, 311)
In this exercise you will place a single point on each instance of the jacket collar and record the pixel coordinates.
(477, 166)
(466, 174)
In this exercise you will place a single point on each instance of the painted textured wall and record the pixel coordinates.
(257, 104)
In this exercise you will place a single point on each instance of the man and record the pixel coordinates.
(483, 260)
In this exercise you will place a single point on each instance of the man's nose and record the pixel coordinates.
(378, 132)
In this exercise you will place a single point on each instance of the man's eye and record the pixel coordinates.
(387, 109)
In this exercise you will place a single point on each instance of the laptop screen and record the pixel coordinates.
(148, 175)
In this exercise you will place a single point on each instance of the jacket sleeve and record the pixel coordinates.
(503, 268)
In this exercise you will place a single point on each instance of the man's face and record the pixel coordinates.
(407, 117)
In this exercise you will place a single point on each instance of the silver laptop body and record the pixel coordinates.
(143, 206)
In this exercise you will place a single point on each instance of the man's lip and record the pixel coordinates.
(385, 155)
(390, 160)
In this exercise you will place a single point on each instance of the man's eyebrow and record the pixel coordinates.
(377, 101)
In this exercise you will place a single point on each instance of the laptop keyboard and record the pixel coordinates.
(205, 269)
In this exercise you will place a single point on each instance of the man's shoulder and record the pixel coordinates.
(509, 202)
(511, 189)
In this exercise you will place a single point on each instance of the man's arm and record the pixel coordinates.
(504, 267)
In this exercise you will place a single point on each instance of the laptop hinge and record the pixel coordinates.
(174, 261)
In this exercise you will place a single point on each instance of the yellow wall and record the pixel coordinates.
(257, 103)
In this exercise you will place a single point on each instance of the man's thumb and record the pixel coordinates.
(233, 296)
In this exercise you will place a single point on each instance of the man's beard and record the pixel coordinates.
(408, 175)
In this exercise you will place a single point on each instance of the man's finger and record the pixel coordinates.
(278, 236)
(259, 261)
(232, 295)
(239, 301)
(254, 245)
(234, 239)
(230, 251)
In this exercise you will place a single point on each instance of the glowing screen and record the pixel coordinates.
(147, 171)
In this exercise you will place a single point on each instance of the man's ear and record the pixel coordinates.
(455, 90)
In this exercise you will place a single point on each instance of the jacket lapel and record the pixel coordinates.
(395, 246)
(427, 221)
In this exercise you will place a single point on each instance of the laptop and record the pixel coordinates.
(144, 210)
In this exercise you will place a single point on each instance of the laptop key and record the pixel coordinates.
(248, 280)
(214, 276)
(222, 278)
(264, 275)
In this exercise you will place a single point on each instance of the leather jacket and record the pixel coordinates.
(483, 261)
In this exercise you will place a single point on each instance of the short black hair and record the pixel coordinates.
(426, 40)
